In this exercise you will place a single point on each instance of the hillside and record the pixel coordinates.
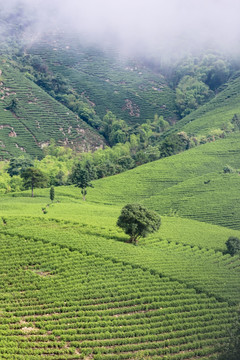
(108, 79)
(72, 285)
(191, 184)
(74, 308)
(216, 115)
(87, 81)
(74, 290)
(37, 118)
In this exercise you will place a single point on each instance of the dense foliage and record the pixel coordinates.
(233, 245)
(137, 221)
(190, 94)
(82, 178)
(19, 164)
(33, 178)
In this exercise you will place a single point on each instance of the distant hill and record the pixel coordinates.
(64, 88)
(191, 184)
(109, 80)
(215, 114)
(37, 118)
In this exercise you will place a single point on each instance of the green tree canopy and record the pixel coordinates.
(137, 221)
(34, 178)
(19, 164)
(233, 245)
(81, 178)
(173, 144)
(190, 93)
(52, 193)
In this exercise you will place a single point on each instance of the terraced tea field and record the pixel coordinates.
(74, 289)
(216, 202)
(37, 118)
(68, 294)
(72, 286)
(191, 184)
(108, 80)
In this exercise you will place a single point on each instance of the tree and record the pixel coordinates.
(59, 179)
(233, 245)
(52, 193)
(190, 93)
(91, 169)
(34, 178)
(159, 125)
(173, 144)
(236, 122)
(137, 221)
(108, 168)
(13, 105)
(19, 164)
(125, 162)
(80, 177)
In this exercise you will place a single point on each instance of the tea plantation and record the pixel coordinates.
(64, 304)
(191, 184)
(215, 115)
(37, 118)
(72, 288)
(109, 80)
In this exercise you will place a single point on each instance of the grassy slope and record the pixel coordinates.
(102, 218)
(94, 233)
(77, 290)
(72, 289)
(191, 184)
(38, 118)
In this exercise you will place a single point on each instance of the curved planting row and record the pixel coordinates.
(62, 304)
(38, 117)
(209, 272)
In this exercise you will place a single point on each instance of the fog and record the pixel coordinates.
(172, 27)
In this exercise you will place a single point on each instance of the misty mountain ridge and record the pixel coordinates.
(90, 81)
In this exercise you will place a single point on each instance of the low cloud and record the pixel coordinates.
(146, 26)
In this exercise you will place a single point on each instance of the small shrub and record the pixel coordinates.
(228, 169)
(233, 245)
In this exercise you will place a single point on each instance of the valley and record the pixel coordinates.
(86, 128)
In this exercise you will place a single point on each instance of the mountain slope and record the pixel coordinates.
(214, 115)
(192, 184)
(109, 80)
(37, 118)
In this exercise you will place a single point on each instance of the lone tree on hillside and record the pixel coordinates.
(233, 245)
(34, 178)
(81, 178)
(137, 221)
